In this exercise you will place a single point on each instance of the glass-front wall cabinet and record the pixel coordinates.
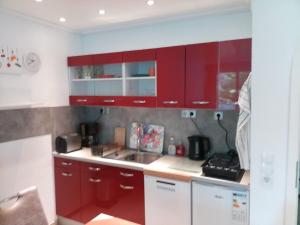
(118, 79)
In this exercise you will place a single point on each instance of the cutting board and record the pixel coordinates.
(120, 136)
(152, 138)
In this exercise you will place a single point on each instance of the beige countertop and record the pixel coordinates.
(172, 167)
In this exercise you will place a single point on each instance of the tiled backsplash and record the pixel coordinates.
(179, 128)
(23, 123)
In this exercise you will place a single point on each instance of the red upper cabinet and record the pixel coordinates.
(139, 55)
(108, 58)
(80, 60)
(170, 76)
(201, 75)
(235, 66)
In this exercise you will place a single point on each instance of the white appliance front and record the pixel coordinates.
(219, 205)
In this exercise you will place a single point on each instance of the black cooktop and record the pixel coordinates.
(225, 166)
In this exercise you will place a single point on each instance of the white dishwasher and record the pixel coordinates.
(219, 205)
(167, 201)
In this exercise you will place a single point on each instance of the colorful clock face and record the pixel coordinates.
(32, 62)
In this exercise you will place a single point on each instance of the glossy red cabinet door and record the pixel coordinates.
(138, 101)
(80, 60)
(139, 55)
(107, 58)
(67, 193)
(82, 100)
(131, 203)
(201, 75)
(235, 66)
(107, 100)
(170, 76)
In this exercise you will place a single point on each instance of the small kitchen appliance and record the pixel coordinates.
(89, 133)
(68, 143)
(199, 146)
(225, 166)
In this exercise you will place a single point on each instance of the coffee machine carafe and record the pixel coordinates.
(89, 133)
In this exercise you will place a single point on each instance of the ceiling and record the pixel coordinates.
(82, 15)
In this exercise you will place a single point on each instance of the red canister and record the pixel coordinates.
(180, 150)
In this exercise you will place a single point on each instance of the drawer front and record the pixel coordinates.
(107, 100)
(91, 168)
(82, 100)
(138, 101)
(67, 164)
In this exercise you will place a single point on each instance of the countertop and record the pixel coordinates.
(171, 167)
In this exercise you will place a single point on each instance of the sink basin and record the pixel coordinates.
(142, 157)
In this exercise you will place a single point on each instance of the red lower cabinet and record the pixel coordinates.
(85, 190)
(68, 191)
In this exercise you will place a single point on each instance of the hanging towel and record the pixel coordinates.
(242, 140)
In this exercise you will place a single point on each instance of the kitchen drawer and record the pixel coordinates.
(82, 100)
(91, 167)
(107, 100)
(67, 164)
(138, 101)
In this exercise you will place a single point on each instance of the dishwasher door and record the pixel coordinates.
(167, 202)
(219, 205)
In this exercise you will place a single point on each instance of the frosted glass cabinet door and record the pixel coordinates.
(167, 202)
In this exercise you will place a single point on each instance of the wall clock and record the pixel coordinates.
(32, 62)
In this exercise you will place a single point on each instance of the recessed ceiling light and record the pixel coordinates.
(150, 2)
(62, 19)
(38, 0)
(101, 12)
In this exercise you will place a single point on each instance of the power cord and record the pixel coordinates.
(196, 126)
(225, 130)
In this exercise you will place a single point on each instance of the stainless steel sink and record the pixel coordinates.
(141, 157)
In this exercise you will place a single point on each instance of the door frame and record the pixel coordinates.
(292, 180)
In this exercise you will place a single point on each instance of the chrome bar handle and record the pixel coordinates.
(66, 174)
(126, 174)
(66, 163)
(94, 168)
(124, 187)
(82, 100)
(139, 101)
(170, 102)
(92, 180)
(200, 102)
(109, 100)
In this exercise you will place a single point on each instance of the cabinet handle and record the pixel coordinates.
(81, 100)
(200, 102)
(94, 168)
(109, 101)
(139, 101)
(218, 196)
(92, 180)
(126, 174)
(164, 182)
(66, 163)
(170, 102)
(124, 187)
(66, 174)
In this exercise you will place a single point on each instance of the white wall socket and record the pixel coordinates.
(188, 113)
(218, 113)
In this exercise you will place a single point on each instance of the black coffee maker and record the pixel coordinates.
(89, 134)
(199, 146)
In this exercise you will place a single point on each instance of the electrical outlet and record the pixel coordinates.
(218, 114)
(188, 113)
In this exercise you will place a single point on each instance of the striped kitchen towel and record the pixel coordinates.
(243, 127)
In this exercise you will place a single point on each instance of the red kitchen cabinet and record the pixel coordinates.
(139, 55)
(82, 100)
(67, 189)
(107, 100)
(201, 75)
(131, 202)
(107, 58)
(235, 67)
(170, 76)
(80, 60)
(138, 101)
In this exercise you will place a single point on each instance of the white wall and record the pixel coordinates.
(25, 163)
(275, 27)
(193, 30)
(50, 84)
